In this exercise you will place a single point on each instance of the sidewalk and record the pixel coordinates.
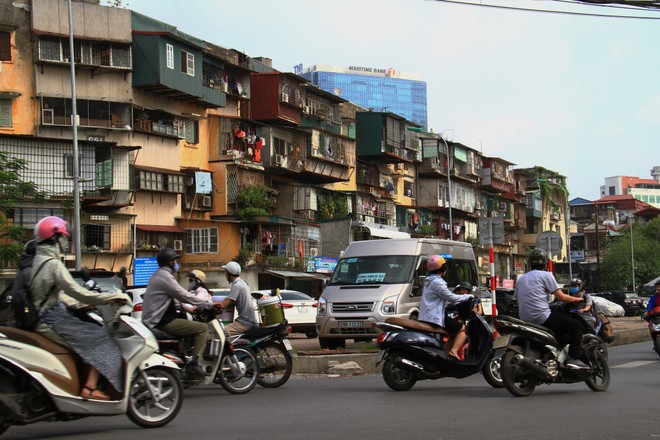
(627, 330)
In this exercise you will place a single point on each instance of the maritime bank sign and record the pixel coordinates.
(389, 72)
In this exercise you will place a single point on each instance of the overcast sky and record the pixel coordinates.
(578, 95)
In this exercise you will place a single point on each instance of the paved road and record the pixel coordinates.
(364, 407)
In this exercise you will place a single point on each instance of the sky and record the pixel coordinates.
(575, 94)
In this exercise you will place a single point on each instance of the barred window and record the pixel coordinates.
(202, 241)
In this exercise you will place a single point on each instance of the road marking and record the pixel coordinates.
(635, 364)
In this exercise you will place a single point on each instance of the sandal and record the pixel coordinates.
(453, 357)
(88, 393)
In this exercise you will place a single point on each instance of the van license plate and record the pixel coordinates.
(351, 324)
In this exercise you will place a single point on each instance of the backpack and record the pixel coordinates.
(26, 314)
(606, 331)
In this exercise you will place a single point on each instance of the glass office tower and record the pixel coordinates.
(380, 90)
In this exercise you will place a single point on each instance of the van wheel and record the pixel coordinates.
(332, 343)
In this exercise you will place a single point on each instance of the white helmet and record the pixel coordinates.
(233, 268)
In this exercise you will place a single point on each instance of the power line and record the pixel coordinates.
(547, 11)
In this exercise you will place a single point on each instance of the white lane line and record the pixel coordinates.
(635, 364)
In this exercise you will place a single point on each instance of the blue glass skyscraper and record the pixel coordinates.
(381, 90)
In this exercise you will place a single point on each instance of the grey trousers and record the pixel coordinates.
(184, 327)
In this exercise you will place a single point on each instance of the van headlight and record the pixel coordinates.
(321, 307)
(389, 305)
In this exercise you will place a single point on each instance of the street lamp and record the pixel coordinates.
(567, 210)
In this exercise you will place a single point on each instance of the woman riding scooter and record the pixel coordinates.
(435, 297)
(90, 341)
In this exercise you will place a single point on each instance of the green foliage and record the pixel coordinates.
(427, 230)
(253, 201)
(277, 262)
(245, 254)
(333, 207)
(616, 263)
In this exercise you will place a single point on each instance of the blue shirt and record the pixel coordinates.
(435, 298)
(532, 291)
(652, 302)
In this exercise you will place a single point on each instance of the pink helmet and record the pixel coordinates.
(48, 227)
(435, 262)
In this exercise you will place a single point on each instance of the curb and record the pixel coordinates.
(367, 362)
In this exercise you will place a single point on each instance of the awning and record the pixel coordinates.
(385, 233)
(292, 274)
(161, 228)
(159, 170)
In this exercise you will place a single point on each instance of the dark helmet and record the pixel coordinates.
(657, 283)
(165, 256)
(537, 258)
(463, 285)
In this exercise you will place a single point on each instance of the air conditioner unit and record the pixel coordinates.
(284, 97)
(178, 245)
(313, 252)
(207, 201)
(279, 159)
(306, 109)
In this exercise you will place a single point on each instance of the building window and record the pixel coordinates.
(202, 241)
(28, 217)
(174, 183)
(96, 237)
(68, 165)
(192, 131)
(188, 63)
(169, 49)
(5, 113)
(5, 46)
(151, 181)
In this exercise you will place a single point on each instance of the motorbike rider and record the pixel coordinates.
(465, 288)
(533, 290)
(435, 297)
(159, 308)
(196, 279)
(239, 295)
(653, 302)
(98, 350)
(24, 274)
(587, 309)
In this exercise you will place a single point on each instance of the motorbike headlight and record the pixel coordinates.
(389, 305)
(321, 307)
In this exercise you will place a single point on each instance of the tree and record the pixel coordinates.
(253, 201)
(616, 264)
(12, 190)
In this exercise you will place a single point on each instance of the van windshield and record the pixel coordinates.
(394, 269)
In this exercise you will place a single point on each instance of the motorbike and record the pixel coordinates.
(235, 368)
(534, 356)
(653, 319)
(40, 380)
(272, 348)
(412, 350)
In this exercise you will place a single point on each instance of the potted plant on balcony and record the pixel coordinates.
(252, 201)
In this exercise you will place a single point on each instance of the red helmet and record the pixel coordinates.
(435, 262)
(50, 226)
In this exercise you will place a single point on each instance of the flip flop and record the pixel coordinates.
(88, 393)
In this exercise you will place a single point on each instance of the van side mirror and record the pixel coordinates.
(418, 286)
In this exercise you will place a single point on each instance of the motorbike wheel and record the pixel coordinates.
(397, 378)
(599, 379)
(656, 344)
(275, 365)
(516, 380)
(491, 372)
(238, 384)
(155, 410)
(311, 334)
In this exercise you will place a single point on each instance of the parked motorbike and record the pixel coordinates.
(414, 350)
(534, 356)
(236, 369)
(273, 349)
(39, 379)
(653, 319)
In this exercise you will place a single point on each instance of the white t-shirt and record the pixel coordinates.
(533, 290)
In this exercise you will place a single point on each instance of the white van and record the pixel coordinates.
(377, 279)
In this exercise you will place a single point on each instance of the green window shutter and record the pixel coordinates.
(192, 132)
(5, 112)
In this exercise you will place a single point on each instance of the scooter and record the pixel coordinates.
(653, 319)
(40, 381)
(413, 350)
(272, 348)
(236, 369)
(534, 356)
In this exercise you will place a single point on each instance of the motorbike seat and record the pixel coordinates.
(416, 325)
(527, 323)
(256, 332)
(35, 339)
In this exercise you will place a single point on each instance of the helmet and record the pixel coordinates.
(197, 274)
(435, 262)
(576, 282)
(165, 256)
(537, 258)
(657, 283)
(233, 268)
(50, 226)
(464, 285)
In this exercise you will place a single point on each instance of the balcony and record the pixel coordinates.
(93, 114)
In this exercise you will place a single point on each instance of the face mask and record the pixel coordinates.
(64, 243)
(176, 267)
(574, 290)
(192, 285)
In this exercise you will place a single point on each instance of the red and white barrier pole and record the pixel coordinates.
(493, 281)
